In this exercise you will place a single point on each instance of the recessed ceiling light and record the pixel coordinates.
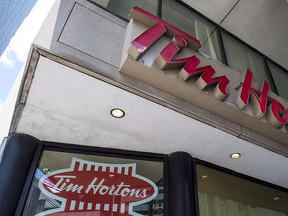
(204, 177)
(117, 113)
(111, 175)
(235, 155)
(46, 170)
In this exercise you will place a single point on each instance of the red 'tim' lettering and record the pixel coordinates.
(154, 33)
(189, 70)
(277, 114)
(145, 40)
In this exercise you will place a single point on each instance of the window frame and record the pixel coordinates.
(88, 150)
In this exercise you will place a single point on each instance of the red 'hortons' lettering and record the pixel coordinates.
(258, 99)
(277, 114)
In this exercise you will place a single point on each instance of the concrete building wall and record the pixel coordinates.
(69, 90)
(66, 104)
(81, 35)
(45, 34)
(94, 39)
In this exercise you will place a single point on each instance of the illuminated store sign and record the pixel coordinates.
(97, 188)
(205, 73)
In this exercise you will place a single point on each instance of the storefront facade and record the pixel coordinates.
(184, 115)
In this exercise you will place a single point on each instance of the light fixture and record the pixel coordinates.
(46, 170)
(235, 155)
(276, 198)
(111, 175)
(117, 113)
(204, 177)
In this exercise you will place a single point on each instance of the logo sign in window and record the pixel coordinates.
(91, 188)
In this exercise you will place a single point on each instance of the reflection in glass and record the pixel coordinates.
(123, 7)
(280, 78)
(222, 194)
(240, 58)
(105, 172)
(189, 22)
(177, 15)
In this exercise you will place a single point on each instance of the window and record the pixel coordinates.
(280, 78)
(240, 58)
(102, 185)
(176, 14)
(123, 7)
(238, 55)
(191, 23)
(224, 194)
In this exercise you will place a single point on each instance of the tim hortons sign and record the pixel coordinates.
(165, 57)
(100, 189)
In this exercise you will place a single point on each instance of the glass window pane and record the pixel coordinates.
(74, 184)
(186, 20)
(222, 194)
(123, 7)
(280, 78)
(240, 58)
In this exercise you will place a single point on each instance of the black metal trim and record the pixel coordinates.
(181, 199)
(222, 48)
(102, 151)
(195, 186)
(29, 179)
(160, 9)
(269, 74)
(166, 185)
(14, 168)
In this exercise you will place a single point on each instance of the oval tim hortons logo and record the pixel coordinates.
(100, 189)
